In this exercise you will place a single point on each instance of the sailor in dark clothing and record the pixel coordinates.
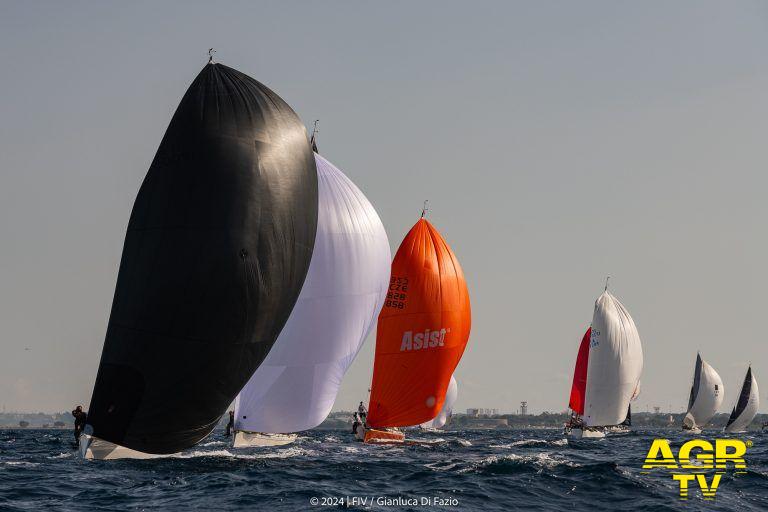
(355, 422)
(231, 424)
(80, 418)
(362, 411)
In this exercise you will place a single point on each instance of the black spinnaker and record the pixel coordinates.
(696, 382)
(628, 420)
(217, 249)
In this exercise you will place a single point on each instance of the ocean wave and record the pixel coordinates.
(529, 442)
(214, 443)
(498, 463)
(541, 470)
(21, 463)
(441, 465)
(523, 442)
(278, 454)
(60, 456)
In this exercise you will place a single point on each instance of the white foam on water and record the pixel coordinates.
(61, 456)
(441, 465)
(214, 443)
(530, 442)
(201, 453)
(540, 460)
(424, 441)
(293, 451)
(278, 454)
(463, 442)
(21, 463)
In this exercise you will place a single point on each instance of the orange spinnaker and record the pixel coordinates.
(422, 331)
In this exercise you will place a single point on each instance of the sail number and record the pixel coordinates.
(397, 294)
(593, 341)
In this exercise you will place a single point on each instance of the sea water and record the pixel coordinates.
(452, 470)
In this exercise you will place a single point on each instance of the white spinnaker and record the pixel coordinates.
(445, 412)
(615, 363)
(747, 414)
(709, 397)
(347, 282)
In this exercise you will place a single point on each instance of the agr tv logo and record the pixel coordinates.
(695, 458)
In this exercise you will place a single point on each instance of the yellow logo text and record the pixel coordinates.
(696, 458)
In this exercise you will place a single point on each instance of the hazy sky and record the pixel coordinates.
(557, 142)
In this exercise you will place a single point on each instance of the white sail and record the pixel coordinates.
(746, 406)
(296, 385)
(615, 363)
(445, 412)
(707, 393)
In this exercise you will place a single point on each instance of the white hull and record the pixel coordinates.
(99, 449)
(577, 433)
(618, 430)
(250, 439)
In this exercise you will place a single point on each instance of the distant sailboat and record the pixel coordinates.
(422, 332)
(746, 407)
(445, 413)
(707, 393)
(608, 369)
(216, 252)
(295, 387)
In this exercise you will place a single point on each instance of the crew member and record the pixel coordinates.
(356, 423)
(231, 424)
(362, 411)
(80, 418)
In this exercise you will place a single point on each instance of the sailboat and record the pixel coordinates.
(607, 372)
(421, 335)
(447, 410)
(295, 387)
(218, 245)
(746, 406)
(707, 393)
